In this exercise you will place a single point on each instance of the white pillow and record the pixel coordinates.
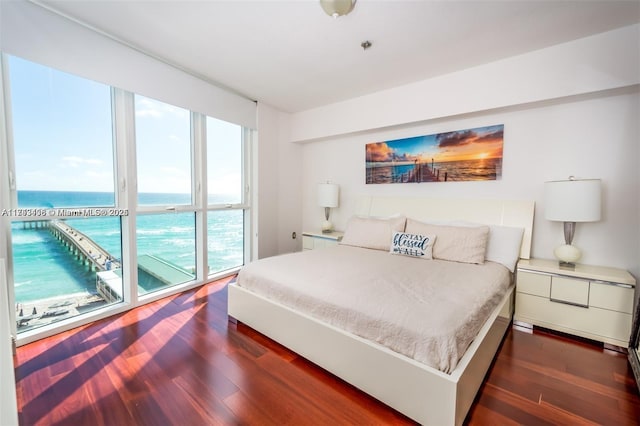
(503, 245)
(371, 232)
(454, 243)
(414, 245)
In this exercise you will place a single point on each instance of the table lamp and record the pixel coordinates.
(570, 201)
(328, 197)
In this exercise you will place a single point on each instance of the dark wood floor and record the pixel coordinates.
(178, 361)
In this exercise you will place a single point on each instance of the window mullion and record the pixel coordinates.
(8, 194)
(250, 175)
(199, 170)
(126, 194)
(10, 197)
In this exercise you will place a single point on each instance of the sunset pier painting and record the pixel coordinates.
(462, 155)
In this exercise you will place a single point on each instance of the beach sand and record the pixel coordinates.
(42, 312)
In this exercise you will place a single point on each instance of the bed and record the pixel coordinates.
(412, 374)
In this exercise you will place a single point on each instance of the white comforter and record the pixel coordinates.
(428, 310)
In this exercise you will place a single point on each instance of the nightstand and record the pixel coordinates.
(314, 240)
(594, 302)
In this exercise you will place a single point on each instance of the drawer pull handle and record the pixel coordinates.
(564, 302)
(612, 284)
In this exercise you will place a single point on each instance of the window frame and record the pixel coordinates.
(247, 138)
(126, 197)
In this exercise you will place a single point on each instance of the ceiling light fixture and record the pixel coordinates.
(337, 8)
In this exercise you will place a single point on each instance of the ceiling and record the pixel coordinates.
(292, 56)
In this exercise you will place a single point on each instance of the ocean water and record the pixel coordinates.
(388, 174)
(44, 268)
(468, 170)
(485, 169)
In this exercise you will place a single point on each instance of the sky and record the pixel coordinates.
(62, 133)
(470, 144)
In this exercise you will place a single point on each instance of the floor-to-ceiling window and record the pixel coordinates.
(100, 217)
(65, 229)
(225, 195)
(166, 228)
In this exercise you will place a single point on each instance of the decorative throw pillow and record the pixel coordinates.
(414, 245)
(454, 243)
(371, 232)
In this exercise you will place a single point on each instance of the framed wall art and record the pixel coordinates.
(461, 155)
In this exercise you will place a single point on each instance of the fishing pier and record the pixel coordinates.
(83, 247)
(421, 172)
(107, 268)
(88, 253)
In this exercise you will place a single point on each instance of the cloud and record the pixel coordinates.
(104, 176)
(148, 113)
(174, 171)
(175, 138)
(226, 184)
(379, 152)
(146, 107)
(75, 162)
(496, 136)
(455, 139)
(467, 137)
(168, 180)
(404, 157)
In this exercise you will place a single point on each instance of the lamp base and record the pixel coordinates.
(568, 255)
(327, 227)
(566, 265)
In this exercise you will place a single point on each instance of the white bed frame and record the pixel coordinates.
(422, 393)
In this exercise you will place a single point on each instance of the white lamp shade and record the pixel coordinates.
(576, 200)
(328, 194)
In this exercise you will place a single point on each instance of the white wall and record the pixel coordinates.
(575, 117)
(600, 62)
(289, 178)
(590, 136)
(279, 192)
(265, 181)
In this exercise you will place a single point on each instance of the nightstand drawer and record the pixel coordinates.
(536, 284)
(590, 301)
(316, 240)
(593, 323)
(307, 243)
(613, 297)
(575, 292)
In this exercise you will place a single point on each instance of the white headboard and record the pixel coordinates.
(518, 213)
